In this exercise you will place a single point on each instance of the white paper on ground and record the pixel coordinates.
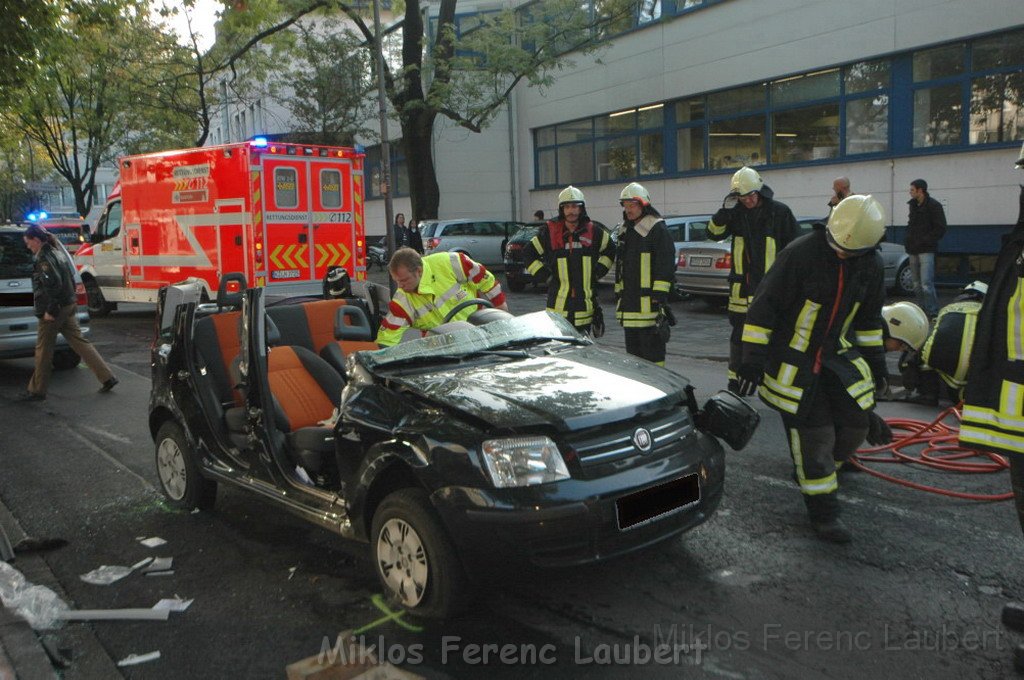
(133, 659)
(175, 604)
(154, 542)
(159, 564)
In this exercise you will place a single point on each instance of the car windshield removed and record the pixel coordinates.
(538, 327)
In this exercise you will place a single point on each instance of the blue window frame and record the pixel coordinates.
(399, 171)
(944, 98)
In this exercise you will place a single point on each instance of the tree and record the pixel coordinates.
(468, 77)
(329, 93)
(27, 28)
(82, 105)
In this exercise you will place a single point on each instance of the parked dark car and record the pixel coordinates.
(513, 441)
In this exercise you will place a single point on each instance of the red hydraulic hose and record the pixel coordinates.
(941, 452)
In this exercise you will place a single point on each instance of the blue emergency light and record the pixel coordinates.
(259, 142)
(36, 216)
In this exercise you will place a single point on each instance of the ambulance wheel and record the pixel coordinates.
(97, 304)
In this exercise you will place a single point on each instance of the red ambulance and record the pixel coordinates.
(279, 213)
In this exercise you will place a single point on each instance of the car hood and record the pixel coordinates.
(570, 390)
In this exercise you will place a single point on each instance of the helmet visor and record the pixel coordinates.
(849, 251)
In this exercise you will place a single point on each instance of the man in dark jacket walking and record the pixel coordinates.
(760, 227)
(926, 225)
(53, 295)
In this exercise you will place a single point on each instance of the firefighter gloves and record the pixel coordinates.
(879, 432)
(747, 379)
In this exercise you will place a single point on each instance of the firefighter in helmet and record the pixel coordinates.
(993, 415)
(644, 271)
(572, 253)
(760, 227)
(813, 343)
(939, 368)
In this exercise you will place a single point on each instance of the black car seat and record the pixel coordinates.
(305, 390)
(352, 333)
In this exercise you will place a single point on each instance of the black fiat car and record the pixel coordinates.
(516, 439)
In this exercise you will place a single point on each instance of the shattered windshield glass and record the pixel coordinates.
(519, 331)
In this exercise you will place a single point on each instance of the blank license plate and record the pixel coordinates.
(699, 261)
(647, 504)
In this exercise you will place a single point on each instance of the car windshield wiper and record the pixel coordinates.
(538, 339)
(428, 359)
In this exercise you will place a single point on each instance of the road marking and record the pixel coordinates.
(103, 433)
(115, 462)
(389, 615)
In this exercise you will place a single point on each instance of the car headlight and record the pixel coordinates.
(523, 461)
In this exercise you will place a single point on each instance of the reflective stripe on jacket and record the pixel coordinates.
(644, 271)
(448, 279)
(947, 350)
(757, 237)
(811, 312)
(574, 260)
(993, 417)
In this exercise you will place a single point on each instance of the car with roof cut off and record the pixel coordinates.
(493, 441)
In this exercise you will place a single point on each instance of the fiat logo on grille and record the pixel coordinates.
(642, 440)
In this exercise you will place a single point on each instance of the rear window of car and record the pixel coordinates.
(427, 229)
(698, 231)
(15, 257)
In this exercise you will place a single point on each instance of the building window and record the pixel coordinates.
(951, 96)
(399, 171)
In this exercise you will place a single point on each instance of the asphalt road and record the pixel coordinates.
(750, 594)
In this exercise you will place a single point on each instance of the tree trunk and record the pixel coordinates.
(417, 143)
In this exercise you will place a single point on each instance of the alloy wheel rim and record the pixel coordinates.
(170, 464)
(402, 561)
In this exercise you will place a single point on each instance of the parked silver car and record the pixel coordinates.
(18, 322)
(481, 240)
(702, 267)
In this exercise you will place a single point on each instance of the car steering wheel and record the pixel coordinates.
(466, 303)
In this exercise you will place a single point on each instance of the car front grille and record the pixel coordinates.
(599, 448)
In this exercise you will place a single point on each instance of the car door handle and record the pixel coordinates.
(303, 238)
(238, 240)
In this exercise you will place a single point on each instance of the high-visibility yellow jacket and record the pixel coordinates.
(448, 279)
(993, 417)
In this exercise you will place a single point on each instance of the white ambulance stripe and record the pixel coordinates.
(187, 223)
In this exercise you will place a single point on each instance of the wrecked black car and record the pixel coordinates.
(514, 440)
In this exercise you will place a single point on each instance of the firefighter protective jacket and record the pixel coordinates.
(814, 311)
(947, 350)
(448, 279)
(645, 266)
(993, 417)
(575, 260)
(757, 235)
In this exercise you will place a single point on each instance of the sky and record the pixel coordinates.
(204, 15)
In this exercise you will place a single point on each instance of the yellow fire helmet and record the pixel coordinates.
(744, 181)
(571, 194)
(856, 224)
(635, 191)
(907, 322)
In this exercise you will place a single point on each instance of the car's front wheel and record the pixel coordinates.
(180, 479)
(515, 284)
(65, 359)
(415, 560)
(904, 280)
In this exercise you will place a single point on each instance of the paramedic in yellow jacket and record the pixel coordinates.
(428, 288)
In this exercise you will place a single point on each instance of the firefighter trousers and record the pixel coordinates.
(66, 324)
(736, 320)
(646, 344)
(1017, 482)
(818, 444)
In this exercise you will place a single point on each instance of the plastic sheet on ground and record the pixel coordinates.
(107, 574)
(38, 605)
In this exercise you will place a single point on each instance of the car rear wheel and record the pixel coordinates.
(65, 359)
(180, 479)
(415, 560)
(904, 280)
(516, 285)
(98, 305)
